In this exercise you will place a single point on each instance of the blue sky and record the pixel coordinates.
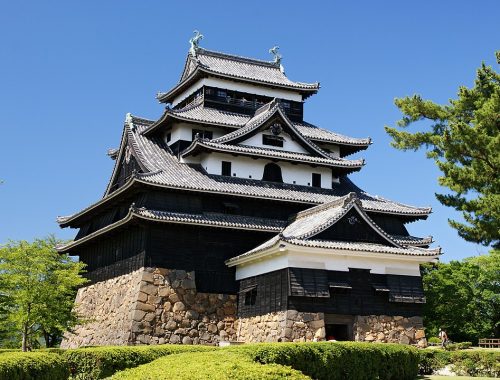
(70, 71)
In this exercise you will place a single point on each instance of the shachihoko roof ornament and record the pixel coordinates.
(195, 42)
(277, 57)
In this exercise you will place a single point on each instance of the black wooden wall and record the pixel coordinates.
(202, 249)
(114, 255)
(316, 290)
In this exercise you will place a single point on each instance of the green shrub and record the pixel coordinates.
(33, 365)
(432, 360)
(470, 363)
(434, 339)
(356, 361)
(457, 346)
(476, 363)
(215, 365)
(100, 362)
(343, 360)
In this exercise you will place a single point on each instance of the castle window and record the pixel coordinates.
(272, 172)
(272, 140)
(221, 93)
(203, 134)
(169, 137)
(226, 168)
(316, 180)
(250, 296)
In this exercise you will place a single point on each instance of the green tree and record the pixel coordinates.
(463, 297)
(40, 286)
(464, 141)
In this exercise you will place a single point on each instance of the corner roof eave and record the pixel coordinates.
(167, 97)
(135, 213)
(68, 220)
(282, 246)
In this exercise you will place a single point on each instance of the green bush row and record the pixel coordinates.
(346, 360)
(469, 363)
(279, 360)
(215, 365)
(100, 362)
(33, 366)
(84, 363)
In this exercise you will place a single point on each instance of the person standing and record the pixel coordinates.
(443, 336)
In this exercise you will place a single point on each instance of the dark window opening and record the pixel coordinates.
(338, 332)
(221, 93)
(272, 172)
(226, 168)
(316, 180)
(250, 297)
(202, 134)
(272, 140)
(169, 137)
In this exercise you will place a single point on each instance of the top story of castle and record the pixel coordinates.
(234, 191)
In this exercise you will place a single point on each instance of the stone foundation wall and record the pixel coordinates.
(107, 307)
(388, 329)
(157, 306)
(283, 326)
(152, 306)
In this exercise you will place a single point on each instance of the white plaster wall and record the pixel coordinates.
(335, 260)
(236, 86)
(184, 131)
(244, 167)
(288, 144)
(334, 149)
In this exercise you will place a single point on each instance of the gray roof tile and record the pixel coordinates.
(164, 169)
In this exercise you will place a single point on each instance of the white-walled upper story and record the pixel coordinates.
(184, 131)
(238, 86)
(247, 167)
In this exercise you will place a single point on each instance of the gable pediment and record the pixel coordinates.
(342, 220)
(271, 120)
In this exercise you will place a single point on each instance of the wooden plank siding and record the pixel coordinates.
(298, 289)
(202, 249)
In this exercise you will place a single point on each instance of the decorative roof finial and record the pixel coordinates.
(195, 42)
(277, 57)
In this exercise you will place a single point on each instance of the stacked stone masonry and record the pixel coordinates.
(158, 306)
(152, 306)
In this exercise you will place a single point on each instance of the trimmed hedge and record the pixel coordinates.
(215, 365)
(33, 366)
(354, 361)
(100, 362)
(343, 360)
(479, 362)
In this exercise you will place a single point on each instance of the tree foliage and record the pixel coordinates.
(463, 297)
(38, 287)
(464, 141)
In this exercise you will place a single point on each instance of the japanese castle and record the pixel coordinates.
(231, 218)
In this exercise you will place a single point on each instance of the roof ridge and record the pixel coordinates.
(238, 58)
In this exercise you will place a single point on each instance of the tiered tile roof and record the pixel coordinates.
(210, 219)
(197, 113)
(234, 67)
(163, 169)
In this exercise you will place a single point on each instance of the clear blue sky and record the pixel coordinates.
(70, 71)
